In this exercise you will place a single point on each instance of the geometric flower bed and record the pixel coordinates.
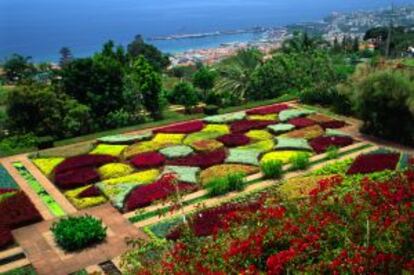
(194, 151)
(370, 163)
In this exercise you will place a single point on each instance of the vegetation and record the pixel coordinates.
(300, 161)
(185, 94)
(221, 186)
(272, 169)
(75, 233)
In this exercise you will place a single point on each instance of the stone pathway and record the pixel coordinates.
(47, 258)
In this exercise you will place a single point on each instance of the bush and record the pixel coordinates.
(75, 233)
(211, 110)
(45, 142)
(380, 99)
(272, 169)
(300, 161)
(222, 186)
(185, 94)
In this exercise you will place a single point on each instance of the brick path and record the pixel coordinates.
(40, 248)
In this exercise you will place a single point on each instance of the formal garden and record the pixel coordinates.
(298, 162)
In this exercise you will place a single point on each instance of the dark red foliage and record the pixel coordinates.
(207, 222)
(182, 128)
(18, 211)
(234, 140)
(302, 122)
(84, 161)
(274, 109)
(203, 160)
(148, 160)
(334, 124)
(6, 237)
(243, 126)
(159, 190)
(370, 163)
(321, 144)
(92, 191)
(76, 178)
(7, 190)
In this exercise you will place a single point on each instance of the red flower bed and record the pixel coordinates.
(274, 109)
(18, 211)
(84, 161)
(92, 191)
(183, 128)
(207, 222)
(76, 178)
(321, 144)
(148, 160)
(370, 163)
(203, 160)
(302, 122)
(159, 190)
(243, 126)
(334, 124)
(234, 140)
(6, 238)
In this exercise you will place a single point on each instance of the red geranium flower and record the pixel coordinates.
(148, 160)
(76, 178)
(202, 160)
(302, 122)
(370, 163)
(84, 161)
(182, 128)
(234, 140)
(321, 144)
(243, 126)
(273, 109)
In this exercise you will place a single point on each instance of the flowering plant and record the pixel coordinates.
(182, 128)
(273, 109)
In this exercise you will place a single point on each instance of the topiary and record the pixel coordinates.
(75, 233)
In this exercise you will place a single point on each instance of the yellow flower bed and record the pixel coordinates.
(297, 188)
(218, 128)
(261, 146)
(283, 156)
(144, 177)
(213, 132)
(223, 170)
(106, 149)
(263, 117)
(142, 147)
(114, 170)
(82, 203)
(259, 135)
(46, 165)
(168, 139)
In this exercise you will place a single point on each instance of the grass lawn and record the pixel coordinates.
(409, 62)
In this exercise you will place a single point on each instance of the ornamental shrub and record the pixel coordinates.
(76, 178)
(321, 144)
(47, 165)
(234, 140)
(222, 186)
(114, 170)
(84, 161)
(76, 233)
(380, 99)
(202, 160)
(211, 110)
(272, 169)
(300, 161)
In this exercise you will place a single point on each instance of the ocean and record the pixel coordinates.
(39, 28)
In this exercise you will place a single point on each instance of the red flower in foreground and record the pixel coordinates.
(273, 109)
(302, 122)
(370, 163)
(276, 263)
(243, 126)
(202, 160)
(159, 190)
(76, 178)
(84, 161)
(182, 128)
(321, 144)
(148, 160)
(234, 140)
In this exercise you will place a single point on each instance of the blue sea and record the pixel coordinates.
(39, 28)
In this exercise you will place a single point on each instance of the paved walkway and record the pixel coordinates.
(47, 258)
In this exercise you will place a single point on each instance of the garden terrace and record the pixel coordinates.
(242, 138)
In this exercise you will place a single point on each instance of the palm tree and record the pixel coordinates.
(302, 42)
(235, 72)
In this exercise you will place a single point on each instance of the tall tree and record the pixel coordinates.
(146, 82)
(18, 68)
(204, 79)
(235, 73)
(65, 56)
(155, 57)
